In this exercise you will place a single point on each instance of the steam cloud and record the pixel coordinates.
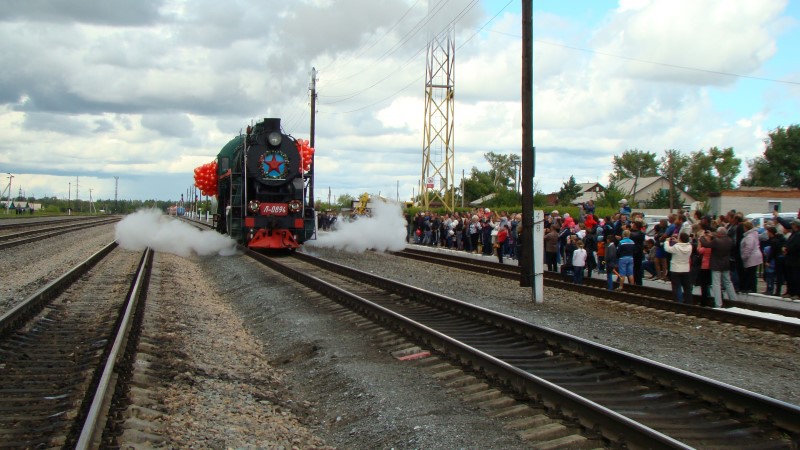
(151, 228)
(385, 230)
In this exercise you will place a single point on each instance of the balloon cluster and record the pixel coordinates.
(205, 177)
(306, 153)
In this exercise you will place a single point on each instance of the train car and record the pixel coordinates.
(264, 188)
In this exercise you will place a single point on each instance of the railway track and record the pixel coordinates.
(36, 231)
(638, 295)
(599, 395)
(13, 224)
(61, 349)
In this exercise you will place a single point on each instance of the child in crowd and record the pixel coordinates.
(769, 270)
(578, 261)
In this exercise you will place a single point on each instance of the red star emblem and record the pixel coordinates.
(274, 164)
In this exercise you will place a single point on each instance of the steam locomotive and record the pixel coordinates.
(265, 188)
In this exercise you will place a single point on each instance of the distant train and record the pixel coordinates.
(264, 186)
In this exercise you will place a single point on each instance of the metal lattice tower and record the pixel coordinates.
(438, 153)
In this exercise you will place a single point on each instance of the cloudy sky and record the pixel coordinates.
(148, 90)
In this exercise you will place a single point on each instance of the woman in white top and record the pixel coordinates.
(578, 262)
(679, 267)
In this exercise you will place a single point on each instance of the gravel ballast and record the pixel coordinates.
(255, 360)
(350, 393)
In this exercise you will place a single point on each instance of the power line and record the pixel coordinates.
(377, 102)
(407, 37)
(393, 73)
(374, 43)
(485, 24)
(658, 63)
(403, 40)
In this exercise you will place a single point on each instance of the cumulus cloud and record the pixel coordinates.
(169, 125)
(155, 88)
(101, 12)
(715, 37)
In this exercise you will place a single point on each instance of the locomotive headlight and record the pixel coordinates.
(295, 205)
(274, 139)
(254, 204)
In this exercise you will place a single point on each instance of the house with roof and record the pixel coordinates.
(9, 205)
(589, 191)
(640, 190)
(755, 199)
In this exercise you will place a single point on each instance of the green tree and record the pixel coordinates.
(502, 169)
(569, 191)
(633, 163)
(344, 201)
(674, 166)
(780, 163)
(660, 199)
(499, 179)
(711, 171)
(539, 197)
(762, 173)
(611, 196)
(478, 184)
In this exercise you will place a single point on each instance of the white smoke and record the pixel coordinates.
(385, 230)
(151, 228)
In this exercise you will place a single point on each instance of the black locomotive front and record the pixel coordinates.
(267, 195)
(275, 206)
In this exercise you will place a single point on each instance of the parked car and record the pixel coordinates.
(762, 220)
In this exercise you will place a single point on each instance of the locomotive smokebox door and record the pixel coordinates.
(272, 157)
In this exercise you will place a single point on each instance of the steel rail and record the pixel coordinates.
(36, 235)
(591, 415)
(39, 221)
(91, 432)
(610, 424)
(638, 295)
(31, 306)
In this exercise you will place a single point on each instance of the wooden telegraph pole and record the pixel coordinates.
(526, 262)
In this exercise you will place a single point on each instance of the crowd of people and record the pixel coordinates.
(479, 231)
(724, 254)
(718, 254)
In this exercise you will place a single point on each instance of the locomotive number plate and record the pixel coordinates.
(274, 209)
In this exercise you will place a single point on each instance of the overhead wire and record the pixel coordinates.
(485, 24)
(391, 74)
(375, 42)
(300, 112)
(396, 47)
(658, 63)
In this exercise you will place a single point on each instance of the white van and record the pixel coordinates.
(651, 221)
(762, 220)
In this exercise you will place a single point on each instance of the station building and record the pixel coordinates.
(751, 200)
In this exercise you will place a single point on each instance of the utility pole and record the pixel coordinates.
(69, 197)
(462, 188)
(532, 221)
(526, 262)
(116, 191)
(312, 131)
(77, 197)
(671, 180)
(635, 183)
(91, 203)
(8, 205)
